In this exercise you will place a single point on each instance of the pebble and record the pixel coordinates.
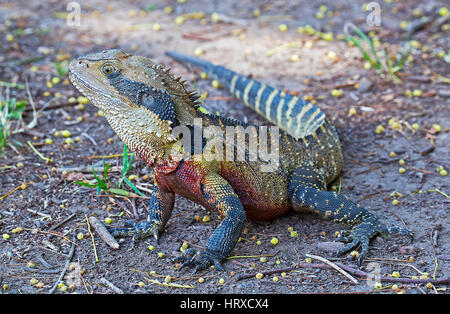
(444, 92)
(330, 246)
(364, 85)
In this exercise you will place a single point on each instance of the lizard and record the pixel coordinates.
(144, 103)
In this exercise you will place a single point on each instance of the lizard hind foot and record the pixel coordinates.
(362, 233)
(200, 259)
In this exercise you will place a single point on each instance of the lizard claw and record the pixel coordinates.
(362, 233)
(200, 259)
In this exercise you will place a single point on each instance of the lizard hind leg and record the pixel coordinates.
(307, 190)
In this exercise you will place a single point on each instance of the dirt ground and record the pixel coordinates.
(51, 208)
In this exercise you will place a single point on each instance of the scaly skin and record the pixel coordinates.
(144, 103)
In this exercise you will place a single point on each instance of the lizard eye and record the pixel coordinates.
(108, 69)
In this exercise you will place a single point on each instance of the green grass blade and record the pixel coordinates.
(131, 185)
(85, 184)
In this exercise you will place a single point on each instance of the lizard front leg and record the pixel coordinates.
(160, 207)
(307, 189)
(220, 196)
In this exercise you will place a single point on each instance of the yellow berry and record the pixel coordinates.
(160, 255)
(198, 52)
(82, 100)
(80, 236)
(168, 9)
(141, 284)
(221, 281)
(65, 133)
(294, 234)
(401, 170)
(17, 230)
(108, 220)
(151, 247)
(68, 140)
(443, 11)
(396, 274)
(256, 13)
(378, 285)
(283, 27)
(33, 281)
(48, 141)
(355, 254)
(308, 260)
(215, 84)
(201, 280)
(275, 279)
(437, 127)
(417, 92)
(352, 111)
(404, 24)
(156, 27)
(401, 162)
(395, 287)
(206, 218)
(19, 165)
(392, 154)
(337, 93)
(215, 17)
(274, 241)
(395, 202)
(179, 20)
(443, 172)
(263, 259)
(6, 236)
(415, 126)
(258, 242)
(294, 58)
(327, 36)
(259, 275)
(9, 37)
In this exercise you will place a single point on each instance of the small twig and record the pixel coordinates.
(92, 237)
(333, 265)
(103, 157)
(38, 153)
(15, 189)
(103, 233)
(63, 272)
(89, 138)
(61, 223)
(111, 286)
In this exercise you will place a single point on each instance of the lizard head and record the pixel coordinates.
(141, 99)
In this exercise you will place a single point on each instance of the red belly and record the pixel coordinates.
(186, 181)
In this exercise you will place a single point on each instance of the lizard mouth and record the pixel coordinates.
(84, 87)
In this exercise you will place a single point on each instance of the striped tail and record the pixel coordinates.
(294, 115)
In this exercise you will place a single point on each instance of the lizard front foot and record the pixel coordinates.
(363, 232)
(200, 259)
(137, 230)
